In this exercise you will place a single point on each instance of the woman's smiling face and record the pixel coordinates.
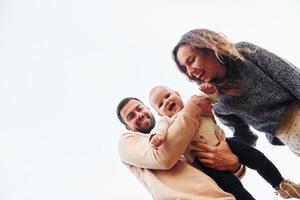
(201, 65)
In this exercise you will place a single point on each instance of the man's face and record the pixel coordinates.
(137, 117)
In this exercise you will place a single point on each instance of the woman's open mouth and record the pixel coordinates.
(200, 75)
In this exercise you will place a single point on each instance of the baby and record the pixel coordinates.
(206, 132)
(168, 102)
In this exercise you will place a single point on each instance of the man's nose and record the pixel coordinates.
(140, 115)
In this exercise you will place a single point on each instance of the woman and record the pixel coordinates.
(257, 87)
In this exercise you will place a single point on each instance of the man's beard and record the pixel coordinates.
(149, 128)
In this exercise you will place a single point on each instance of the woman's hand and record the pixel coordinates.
(217, 157)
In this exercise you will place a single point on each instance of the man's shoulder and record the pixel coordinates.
(132, 134)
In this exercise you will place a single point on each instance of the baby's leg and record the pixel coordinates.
(227, 181)
(256, 160)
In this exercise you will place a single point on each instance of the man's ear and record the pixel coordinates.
(177, 93)
(129, 128)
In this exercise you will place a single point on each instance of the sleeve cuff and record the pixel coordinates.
(150, 136)
(240, 173)
(215, 97)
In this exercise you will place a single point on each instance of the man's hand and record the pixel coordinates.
(217, 157)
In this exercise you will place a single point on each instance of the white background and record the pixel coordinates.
(64, 66)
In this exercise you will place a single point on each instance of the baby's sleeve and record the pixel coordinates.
(215, 97)
(161, 127)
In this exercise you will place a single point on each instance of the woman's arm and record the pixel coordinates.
(280, 70)
(241, 130)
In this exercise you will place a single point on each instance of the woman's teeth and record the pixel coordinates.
(199, 75)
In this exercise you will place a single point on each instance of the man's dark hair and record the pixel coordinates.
(121, 106)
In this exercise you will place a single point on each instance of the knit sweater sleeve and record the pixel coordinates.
(241, 130)
(280, 70)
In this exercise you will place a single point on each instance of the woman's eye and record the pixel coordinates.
(167, 96)
(191, 60)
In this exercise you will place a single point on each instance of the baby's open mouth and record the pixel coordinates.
(172, 105)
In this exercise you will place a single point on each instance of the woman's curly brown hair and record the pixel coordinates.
(204, 39)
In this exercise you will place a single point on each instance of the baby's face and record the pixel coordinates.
(165, 101)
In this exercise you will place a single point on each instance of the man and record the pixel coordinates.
(163, 172)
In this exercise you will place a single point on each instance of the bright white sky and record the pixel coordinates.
(65, 64)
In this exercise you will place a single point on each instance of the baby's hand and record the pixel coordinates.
(157, 140)
(208, 88)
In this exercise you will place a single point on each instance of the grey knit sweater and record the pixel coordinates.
(269, 85)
